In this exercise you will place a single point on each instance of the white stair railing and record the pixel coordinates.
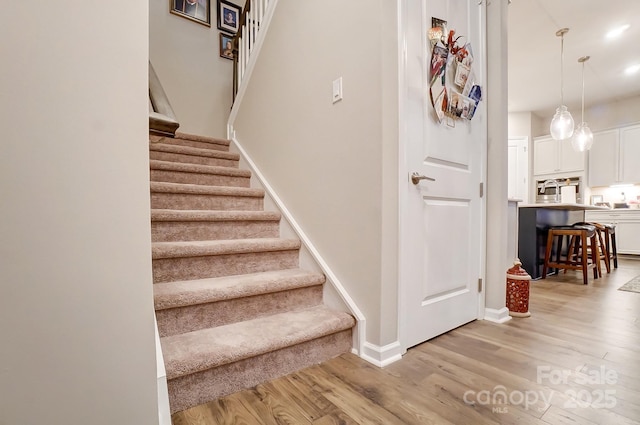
(253, 23)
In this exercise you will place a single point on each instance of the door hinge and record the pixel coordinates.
(481, 189)
(480, 285)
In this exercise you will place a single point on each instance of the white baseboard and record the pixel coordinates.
(381, 356)
(497, 316)
(164, 415)
(164, 411)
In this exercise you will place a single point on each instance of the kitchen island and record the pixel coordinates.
(534, 221)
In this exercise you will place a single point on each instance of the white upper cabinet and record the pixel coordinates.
(614, 157)
(553, 157)
(569, 159)
(630, 154)
(603, 158)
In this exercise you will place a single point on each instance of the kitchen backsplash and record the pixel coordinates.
(630, 194)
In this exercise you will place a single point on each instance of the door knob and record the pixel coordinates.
(415, 178)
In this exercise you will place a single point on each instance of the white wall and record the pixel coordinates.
(519, 124)
(334, 165)
(186, 57)
(76, 308)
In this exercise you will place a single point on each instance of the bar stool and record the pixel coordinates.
(603, 248)
(577, 257)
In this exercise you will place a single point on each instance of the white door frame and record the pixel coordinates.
(519, 142)
(404, 171)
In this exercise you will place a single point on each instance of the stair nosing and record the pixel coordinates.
(185, 167)
(185, 216)
(182, 249)
(197, 189)
(191, 151)
(168, 295)
(247, 345)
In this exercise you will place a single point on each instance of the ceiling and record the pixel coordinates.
(534, 53)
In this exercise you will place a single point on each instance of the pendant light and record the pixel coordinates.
(582, 137)
(561, 127)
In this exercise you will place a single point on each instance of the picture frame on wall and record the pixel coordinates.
(226, 46)
(196, 10)
(228, 16)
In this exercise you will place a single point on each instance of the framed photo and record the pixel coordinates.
(226, 46)
(196, 10)
(228, 16)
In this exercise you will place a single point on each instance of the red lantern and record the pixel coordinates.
(518, 290)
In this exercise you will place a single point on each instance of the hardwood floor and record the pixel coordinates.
(574, 361)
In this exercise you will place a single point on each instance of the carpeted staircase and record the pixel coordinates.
(232, 305)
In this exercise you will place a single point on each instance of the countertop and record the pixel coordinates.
(565, 206)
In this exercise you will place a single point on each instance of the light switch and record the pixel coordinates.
(337, 90)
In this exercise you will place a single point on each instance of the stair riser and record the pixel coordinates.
(197, 178)
(196, 144)
(188, 268)
(182, 201)
(173, 231)
(191, 318)
(198, 388)
(192, 159)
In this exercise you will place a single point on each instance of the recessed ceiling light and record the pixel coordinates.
(632, 69)
(617, 31)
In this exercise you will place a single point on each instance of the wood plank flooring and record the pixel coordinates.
(574, 361)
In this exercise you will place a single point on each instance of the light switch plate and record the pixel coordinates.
(337, 90)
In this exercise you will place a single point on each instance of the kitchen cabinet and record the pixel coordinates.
(627, 222)
(553, 157)
(603, 158)
(629, 154)
(613, 157)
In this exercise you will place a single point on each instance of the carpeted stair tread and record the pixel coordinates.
(200, 291)
(209, 348)
(160, 250)
(193, 141)
(195, 137)
(198, 189)
(188, 150)
(184, 167)
(212, 215)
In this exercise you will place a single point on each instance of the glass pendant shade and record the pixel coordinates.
(561, 127)
(582, 138)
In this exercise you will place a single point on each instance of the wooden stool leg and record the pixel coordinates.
(559, 244)
(595, 256)
(583, 249)
(607, 245)
(614, 250)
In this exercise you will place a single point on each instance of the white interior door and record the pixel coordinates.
(442, 220)
(518, 186)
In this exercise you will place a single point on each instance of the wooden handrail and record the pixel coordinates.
(162, 120)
